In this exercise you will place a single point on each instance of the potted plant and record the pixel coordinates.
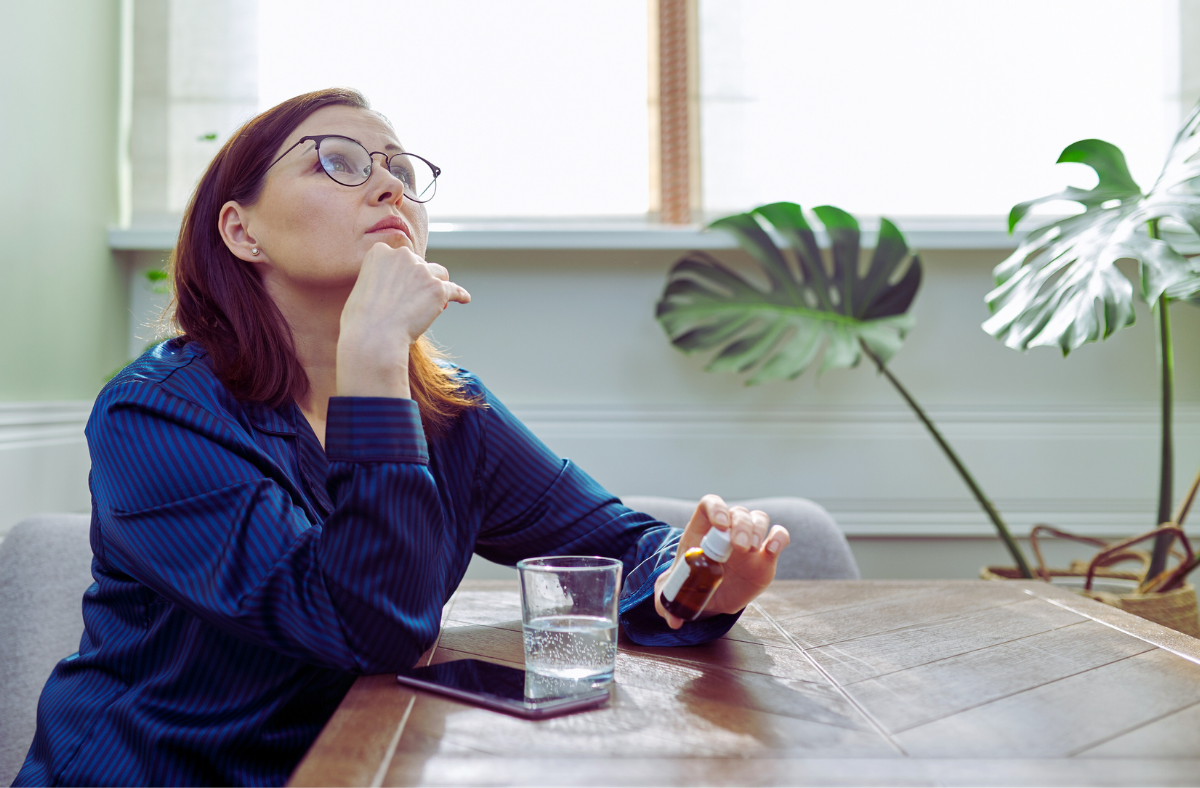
(1061, 286)
(811, 301)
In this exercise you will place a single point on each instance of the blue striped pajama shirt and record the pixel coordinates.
(245, 576)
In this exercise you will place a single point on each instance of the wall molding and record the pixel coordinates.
(1008, 421)
(942, 518)
(875, 467)
(31, 424)
(44, 460)
(796, 448)
(1041, 413)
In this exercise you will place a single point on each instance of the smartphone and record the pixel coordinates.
(496, 687)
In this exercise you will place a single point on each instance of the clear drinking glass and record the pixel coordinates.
(569, 613)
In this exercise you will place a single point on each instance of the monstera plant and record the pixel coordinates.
(809, 303)
(1061, 286)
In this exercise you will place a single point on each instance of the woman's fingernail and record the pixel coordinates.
(721, 518)
(742, 540)
(757, 541)
(773, 546)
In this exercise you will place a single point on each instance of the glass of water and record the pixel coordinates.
(569, 613)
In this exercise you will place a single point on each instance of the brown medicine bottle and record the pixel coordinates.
(696, 577)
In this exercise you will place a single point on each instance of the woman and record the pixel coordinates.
(286, 495)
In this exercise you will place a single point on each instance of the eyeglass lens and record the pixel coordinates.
(349, 164)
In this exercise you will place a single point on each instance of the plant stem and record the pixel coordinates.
(1179, 576)
(1167, 362)
(988, 509)
(1166, 468)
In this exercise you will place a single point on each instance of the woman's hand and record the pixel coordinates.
(396, 298)
(749, 570)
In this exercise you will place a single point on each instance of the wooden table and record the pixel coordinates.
(873, 682)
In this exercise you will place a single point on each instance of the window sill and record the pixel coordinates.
(978, 232)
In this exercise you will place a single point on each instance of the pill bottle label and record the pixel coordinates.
(679, 576)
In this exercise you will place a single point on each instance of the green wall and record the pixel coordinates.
(63, 311)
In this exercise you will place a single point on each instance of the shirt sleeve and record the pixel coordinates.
(538, 504)
(187, 506)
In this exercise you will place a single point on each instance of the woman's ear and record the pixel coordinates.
(232, 224)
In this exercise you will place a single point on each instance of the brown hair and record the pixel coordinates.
(220, 302)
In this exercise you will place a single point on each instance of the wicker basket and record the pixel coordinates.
(1176, 609)
(1078, 571)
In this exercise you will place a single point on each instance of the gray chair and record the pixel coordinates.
(818, 549)
(45, 566)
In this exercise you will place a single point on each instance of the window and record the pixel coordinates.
(531, 107)
(541, 108)
(935, 107)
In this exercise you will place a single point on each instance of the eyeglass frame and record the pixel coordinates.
(387, 162)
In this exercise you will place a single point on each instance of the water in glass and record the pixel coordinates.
(579, 648)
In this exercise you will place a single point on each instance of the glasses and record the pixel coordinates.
(347, 162)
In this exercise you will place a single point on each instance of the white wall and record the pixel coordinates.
(567, 338)
(569, 341)
(62, 298)
(44, 461)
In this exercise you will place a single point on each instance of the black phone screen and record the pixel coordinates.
(476, 677)
(498, 687)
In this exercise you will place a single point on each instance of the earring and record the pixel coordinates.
(254, 251)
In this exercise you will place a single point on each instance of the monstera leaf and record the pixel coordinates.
(1061, 287)
(778, 331)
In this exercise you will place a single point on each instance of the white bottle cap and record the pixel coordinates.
(716, 545)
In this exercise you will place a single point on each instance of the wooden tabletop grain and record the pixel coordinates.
(821, 682)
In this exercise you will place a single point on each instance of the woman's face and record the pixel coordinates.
(313, 231)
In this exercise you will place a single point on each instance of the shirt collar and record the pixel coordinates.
(274, 421)
(264, 418)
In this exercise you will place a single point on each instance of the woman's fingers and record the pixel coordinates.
(453, 292)
(410, 279)
(777, 539)
(749, 527)
(715, 510)
(394, 301)
(751, 567)
(742, 530)
(762, 522)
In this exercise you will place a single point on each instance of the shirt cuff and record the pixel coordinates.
(646, 627)
(374, 429)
